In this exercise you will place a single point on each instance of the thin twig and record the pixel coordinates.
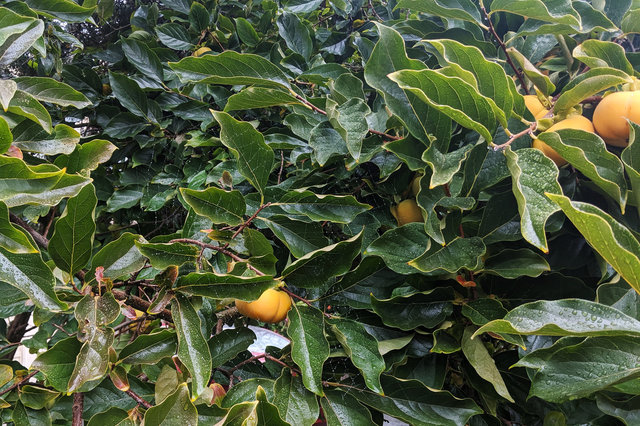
(504, 49)
(139, 303)
(39, 238)
(15, 385)
(281, 167)
(529, 130)
(248, 221)
(137, 398)
(257, 357)
(302, 299)
(221, 249)
(52, 216)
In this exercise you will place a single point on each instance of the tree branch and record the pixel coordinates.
(221, 249)
(39, 238)
(77, 408)
(529, 130)
(137, 398)
(15, 385)
(504, 49)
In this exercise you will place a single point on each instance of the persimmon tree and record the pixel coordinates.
(372, 160)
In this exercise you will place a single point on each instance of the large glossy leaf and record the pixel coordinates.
(588, 153)
(17, 35)
(309, 348)
(465, 10)
(615, 243)
(129, 94)
(300, 237)
(120, 257)
(27, 106)
(598, 53)
(295, 403)
(334, 208)
(295, 34)
(588, 84)
(510, 263)
(413, 402)
(533, 175)
(176, 408)
(72, 241)
(58, 362)
(340, 409)
(149, 348)
(47, 89)
(162, 256)
(259, 97)
(230, 67)
(568, 317)
(87, 156)
(255, 157)
(66, 10)
(143, 58)
(227, 344)
(28, 136)
(362, 349)
(389, 55)
(459, 253)
(216, 204)
(560, 12)
(21, 265)
(397, 247)
(193, 350)
(426, 309)
(631, 159)
(579, 370)
(217, 286)
(314, 269)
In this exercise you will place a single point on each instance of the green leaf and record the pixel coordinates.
(426, 309)
(65, 10)
(23, 267)
(579, 370)
(588, 84)
(541, 81)
(93, 313)
(246, 390)
(479, 358)
(25, 105)
(349, 120)
(309, 346)
(626, 410)
(267, 413)
(216, 286)
(120, 257)
(444, 166)
(17, 35)
(162, 256)
(129, 94)
(259, 97)
(47, 89)
(588, 153)
(230, 67)
(114, 416)
(514, 263)
(319, 208)
(72, 241)
(491, 78)
(465, 10)
(143, 58)
(568, 317)
(413, 402)
(23, 416)
(6, 138)
(149, 348)
(193, 350)
(631, 159)
(613, 241)
(227, 344)
(296, 404)
(340, 408)
(389, 55)
(246, 32)
(314, 269)
(28, 136)
(459, 253)
(240, 414)
(533, 175)
(598, 53)
(560, 12)
(58, 362)
(176, 408)
(362, 349)
(299, 237)
(397, 247)
(174, 36)
(216, 204)
(86, 157)
(295, 34)
(452, 96)
(255, 157)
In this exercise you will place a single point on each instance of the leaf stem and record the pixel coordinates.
(529, 130)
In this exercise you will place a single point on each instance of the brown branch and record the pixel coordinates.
(323, 112)
(139, 303)
(16, 330)
(137, 398)
(39, 238)
(77, 408)
(248, 221)
(504, 49)
(257, 357)
(24, 380)
(52, 216)
(529, 130)
(302, 299)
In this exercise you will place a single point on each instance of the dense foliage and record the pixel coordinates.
(163, 159)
